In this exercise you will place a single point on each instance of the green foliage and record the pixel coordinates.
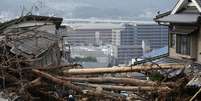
(156, 76)
(85, 59)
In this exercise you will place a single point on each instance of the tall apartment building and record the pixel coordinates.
(152, 34)
(91, 34)
(124, 43)
(128, 40)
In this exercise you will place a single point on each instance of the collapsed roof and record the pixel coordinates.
(32, 42)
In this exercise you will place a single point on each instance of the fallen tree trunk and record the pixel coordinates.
(58, 67)
(77, 88)
(127, 88)
(129, 81)
(55, 80)
(138, 68)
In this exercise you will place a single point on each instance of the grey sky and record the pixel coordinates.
(131, 9)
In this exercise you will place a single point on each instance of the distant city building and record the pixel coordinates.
(91, 34)
(126, 35)
(124, 53)
(128, 40)
(98, 53)
(124, 44)
(152, 34)
(133, 40)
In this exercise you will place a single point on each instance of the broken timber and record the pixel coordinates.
(128, 81)
(77, 88)
(137, 68)
(128, 88)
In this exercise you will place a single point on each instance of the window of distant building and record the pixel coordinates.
(183, 44)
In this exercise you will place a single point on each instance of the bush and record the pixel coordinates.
(85, 59)
(156, 76)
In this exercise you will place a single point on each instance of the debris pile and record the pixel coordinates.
(31, 70)
(20, 80)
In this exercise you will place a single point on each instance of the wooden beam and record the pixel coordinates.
(128, 81)
(138, 68)
(55, 80)
(76, 88)
(127, 88)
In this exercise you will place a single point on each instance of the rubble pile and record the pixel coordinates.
(22, 81)
(31, 70)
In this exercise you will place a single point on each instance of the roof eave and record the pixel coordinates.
(56, 20)
(162, 15)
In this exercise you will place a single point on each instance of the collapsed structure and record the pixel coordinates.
(33, 37)
(31, 69)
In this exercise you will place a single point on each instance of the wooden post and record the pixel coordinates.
(138, 68)
(128, 88)
(128, 81)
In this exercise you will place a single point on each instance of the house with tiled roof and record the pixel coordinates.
(34, 38)
(184, 22)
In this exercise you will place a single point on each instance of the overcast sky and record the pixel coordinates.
(103, 9)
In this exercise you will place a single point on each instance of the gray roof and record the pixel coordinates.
(169, 60)
(156, 52)
(199, 2)
(57, 21)
(33, 46)
(180, 18)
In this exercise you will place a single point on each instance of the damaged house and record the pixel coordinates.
(184, 22)
(33, 37)
(184, 30)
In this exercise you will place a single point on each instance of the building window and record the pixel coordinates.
(183, 44)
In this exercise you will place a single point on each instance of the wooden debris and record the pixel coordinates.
(127, 81)
(55, 80)
(138, 68)
(21, 80)
(128, 88)
(74, 87)
(194, 96)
